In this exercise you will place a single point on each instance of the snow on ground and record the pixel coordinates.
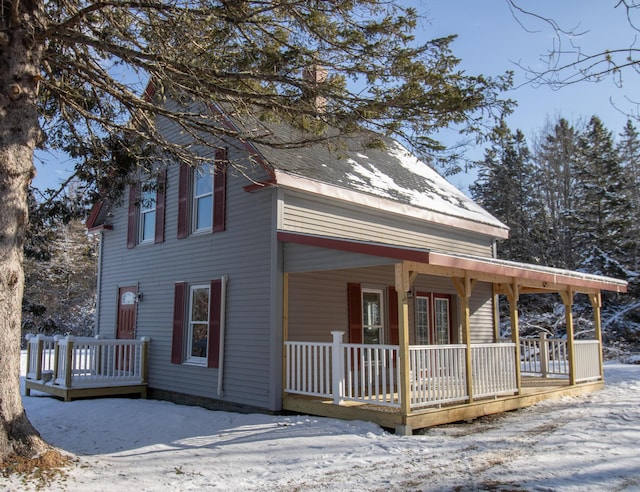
(576, 443)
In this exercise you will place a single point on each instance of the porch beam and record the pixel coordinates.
(403, 280)
(567, 299)
(513, 294)
(596, 303)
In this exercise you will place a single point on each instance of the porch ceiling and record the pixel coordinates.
(502, 273)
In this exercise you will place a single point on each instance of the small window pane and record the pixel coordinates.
(199, 340)
(148, 225)
(204, 212)
(422, 320)
(204, 180)
(200, 306)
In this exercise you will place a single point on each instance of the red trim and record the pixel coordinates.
(132, 223)
(394, 252)
(93, 216)
(149, 92)
(394, 325)
(503, 269)
(219, 190)
(354, 301)
(160, 202)
(215, 307)
(179, 311)
(183, 201)
(260, 185)
(101, 227)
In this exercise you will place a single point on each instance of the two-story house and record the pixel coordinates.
(346, 281)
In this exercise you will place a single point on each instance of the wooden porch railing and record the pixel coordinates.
(371, 373)
(60, 364)
(550, 357)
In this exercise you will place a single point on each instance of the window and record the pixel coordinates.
(197, 313)
(422, 320)
(202, 197)
(372, 316)
(442, 322)
(198, 328)
(146, 211)
(433, 319)
(202, 205)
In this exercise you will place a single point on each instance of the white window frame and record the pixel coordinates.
(381, 326)
(200, 173)
(437, 326)
(191, 323)
(147, 212)
(425, 339)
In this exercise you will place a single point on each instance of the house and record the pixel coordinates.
(350, 281)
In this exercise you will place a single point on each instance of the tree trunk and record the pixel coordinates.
(19, 134)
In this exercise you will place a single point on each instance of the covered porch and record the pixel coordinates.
(407, 386)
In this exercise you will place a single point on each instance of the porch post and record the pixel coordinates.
(337, 367)
(403, 285)
(513, 294)
(596, 302)
(463, 287)
(567, 298)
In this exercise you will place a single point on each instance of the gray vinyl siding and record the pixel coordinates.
(318, 302)
(307, 214)
(245, 251)
(303, 258)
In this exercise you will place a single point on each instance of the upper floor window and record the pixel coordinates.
(202, 197)
(147, 221)
(146, 211)
(202, 205)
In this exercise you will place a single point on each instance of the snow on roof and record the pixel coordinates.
(392, 173)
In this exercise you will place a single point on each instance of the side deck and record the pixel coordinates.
(72, 367)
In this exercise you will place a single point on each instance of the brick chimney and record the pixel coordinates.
(317, 75)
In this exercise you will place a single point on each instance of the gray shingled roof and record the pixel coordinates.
(391, 172)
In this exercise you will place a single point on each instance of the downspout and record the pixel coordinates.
(223, 318)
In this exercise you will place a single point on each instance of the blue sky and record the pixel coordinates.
(491, 42)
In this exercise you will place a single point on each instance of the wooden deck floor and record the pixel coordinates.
(534, 390)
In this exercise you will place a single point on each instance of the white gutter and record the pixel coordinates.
(223, 309)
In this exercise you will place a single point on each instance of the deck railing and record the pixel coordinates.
(587, 353)
(544, 357)
(371, 373)
(82, 362)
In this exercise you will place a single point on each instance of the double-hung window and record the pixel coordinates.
(433, 324)
(202, 198)
(146, 210)
(198, 328)
(197, 320)
(147, 220)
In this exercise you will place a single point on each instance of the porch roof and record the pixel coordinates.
(529, 277)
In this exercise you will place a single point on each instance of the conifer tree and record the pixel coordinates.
(602, 215)
(505, 188)
(555, 157)
(73, 72)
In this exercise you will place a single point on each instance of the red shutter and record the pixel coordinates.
(215, 309)
(183, 201)
(354, 299)
(219, 190)
(132, 225)
(394, 332)
(179, 311)
(160, 198)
